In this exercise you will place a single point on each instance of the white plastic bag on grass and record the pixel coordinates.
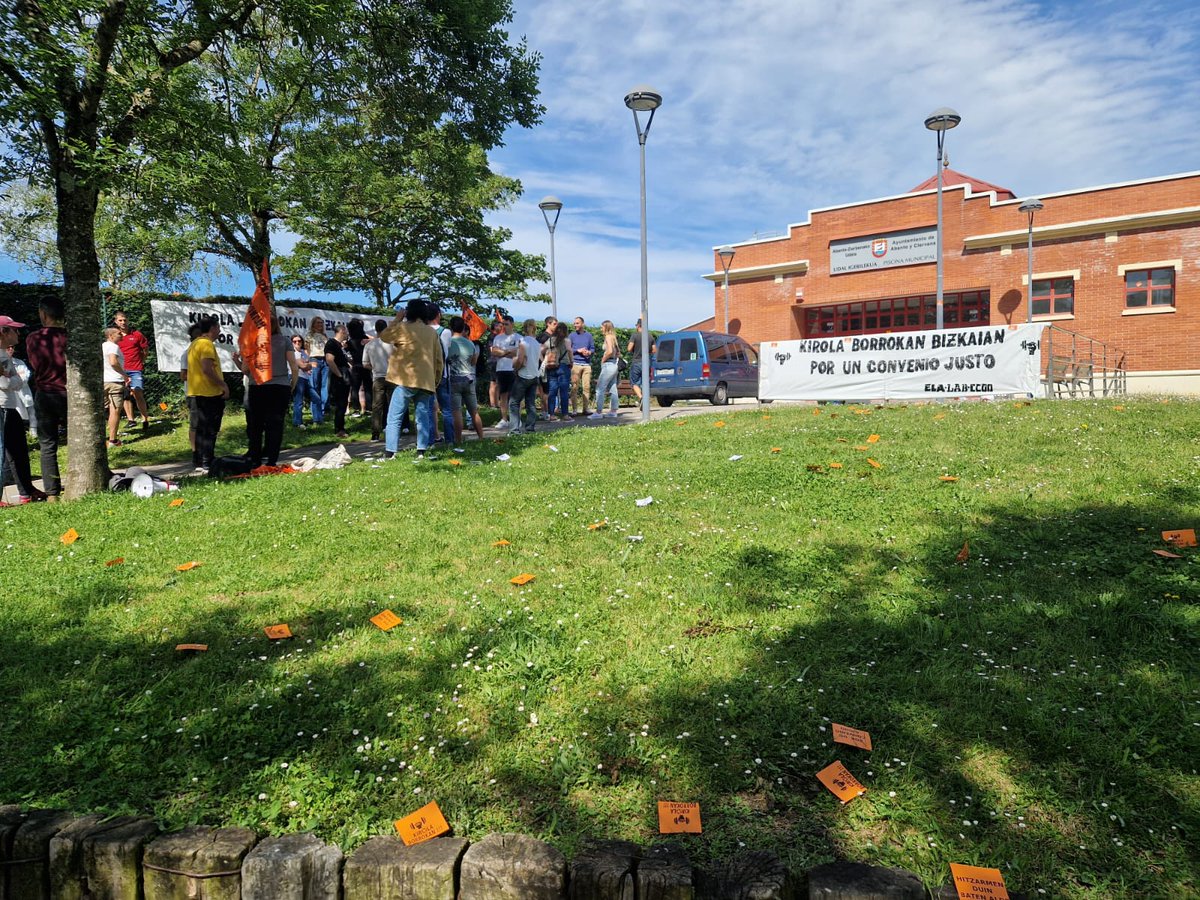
(334, 459)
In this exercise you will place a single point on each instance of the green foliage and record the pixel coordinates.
(1032, 708)
(136, 247)
(400, 220)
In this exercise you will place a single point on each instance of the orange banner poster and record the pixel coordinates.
(1182, 538)
(838, 779)
(843, 734)
(423, 825)
(978, 883)
(678, 818)
(475, 325)
(254, 340)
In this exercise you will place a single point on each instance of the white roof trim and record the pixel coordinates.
(1129, 222)
(967, 191)
(783, 268)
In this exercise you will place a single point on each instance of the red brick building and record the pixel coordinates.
(1118, 266)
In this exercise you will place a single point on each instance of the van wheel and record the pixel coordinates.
(665, 401)
(720, 396)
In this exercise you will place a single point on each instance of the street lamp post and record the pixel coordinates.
(940, 120)
(547, 206)
(644, 99)
(726, 253)
(1030, 206)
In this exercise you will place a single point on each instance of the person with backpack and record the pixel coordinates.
(462, 360)
(556, 354)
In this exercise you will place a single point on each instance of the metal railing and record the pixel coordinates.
(1077, 364)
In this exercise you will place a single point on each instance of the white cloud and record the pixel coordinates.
(773, 109)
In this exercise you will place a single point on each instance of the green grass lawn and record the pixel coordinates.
(1035, 708)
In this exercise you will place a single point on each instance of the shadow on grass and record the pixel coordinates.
(1044, 686)
(1040, 700)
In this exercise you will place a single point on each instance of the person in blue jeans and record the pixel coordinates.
(609, 367)
(317, 338)
(433, 318)
(305, 390)
(558, 372)
(415, 368)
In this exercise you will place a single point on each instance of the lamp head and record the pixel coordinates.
(726, 253)
(942, 119)
(1031, 205)
(550, 204)
(643, 99)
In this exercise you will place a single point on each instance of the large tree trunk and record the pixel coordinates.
(87, 465)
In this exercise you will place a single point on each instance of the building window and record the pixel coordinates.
(1054, 296)
(960, 310)
(1149, 287)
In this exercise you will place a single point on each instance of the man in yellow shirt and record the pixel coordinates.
(207, 392)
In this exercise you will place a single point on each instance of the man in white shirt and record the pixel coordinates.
(504, 349)
(115, 379)
(376, 354)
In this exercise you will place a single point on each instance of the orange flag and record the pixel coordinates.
(254, 340)
(475, 325)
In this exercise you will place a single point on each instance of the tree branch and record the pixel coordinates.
(145, 100)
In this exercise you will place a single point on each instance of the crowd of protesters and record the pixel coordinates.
(415, 368)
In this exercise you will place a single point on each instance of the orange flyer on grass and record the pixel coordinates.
(501, 543)
(423, 825)
(69, 536)
(115, 562)
(838, 779)
(194, 648)
(978, 883)
(278, 632)
(187, 566)
(178, 501)
(523, 578)
(386, 620)
(843, 734)
(678, 818)
(1183, 538)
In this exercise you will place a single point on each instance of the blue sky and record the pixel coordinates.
(774, 108)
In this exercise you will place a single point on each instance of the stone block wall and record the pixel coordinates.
(56, 855)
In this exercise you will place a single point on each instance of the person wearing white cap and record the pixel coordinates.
(12, 424)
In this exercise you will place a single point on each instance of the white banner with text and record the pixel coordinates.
(913, 365)
(173, 318)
